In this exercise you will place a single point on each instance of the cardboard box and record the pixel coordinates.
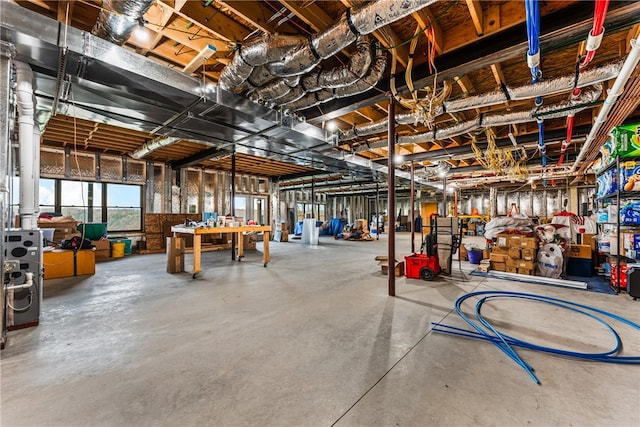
(498, 257)
(175, 255)
(399, 267)
(464, 255)
(103, 249)
(517, 241)
(514, 253)
(512, 270)
(528, 254)
(58, 263)
(579, 251)
(85, 262)
(484, 266)
(498, 250)
(498, 266)
(502, 240)
(526, 271)
(524, 265)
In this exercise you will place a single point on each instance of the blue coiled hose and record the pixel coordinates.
(485, 331)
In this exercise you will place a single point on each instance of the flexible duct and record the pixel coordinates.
(544, 88)
(118, 18)
(370, 80)
(554, 86)
(153, 145)
(550, 111)
(327, 79)
(377, 127)
(28, 177)
(320, 46)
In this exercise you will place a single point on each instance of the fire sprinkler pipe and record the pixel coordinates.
(616, 90)
(26, 108)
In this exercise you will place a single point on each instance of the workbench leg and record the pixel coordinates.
(197, 249)
(240, 246)
(265, 247)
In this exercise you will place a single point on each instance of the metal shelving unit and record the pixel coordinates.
(618, 196)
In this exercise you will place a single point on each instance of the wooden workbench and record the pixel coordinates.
(197, 233)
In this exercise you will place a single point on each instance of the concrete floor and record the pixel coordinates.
(312, 340)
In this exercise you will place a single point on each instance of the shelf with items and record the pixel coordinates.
(618, 185)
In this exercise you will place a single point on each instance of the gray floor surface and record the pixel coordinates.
(312, 340)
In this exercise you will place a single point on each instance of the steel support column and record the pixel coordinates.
(391, 194)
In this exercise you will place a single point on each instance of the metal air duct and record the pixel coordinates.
(118, 18)
(153, 145)
(320, 46)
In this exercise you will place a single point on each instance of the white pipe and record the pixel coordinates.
(36, 172)
(616, 90)
(24, 93)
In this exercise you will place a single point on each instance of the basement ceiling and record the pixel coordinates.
(456, 50)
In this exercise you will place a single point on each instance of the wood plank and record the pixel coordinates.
(475, 10)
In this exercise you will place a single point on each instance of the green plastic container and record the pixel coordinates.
(93, 230)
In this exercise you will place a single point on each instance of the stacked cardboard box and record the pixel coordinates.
(65, 227)
(103, 249)
(514, 253)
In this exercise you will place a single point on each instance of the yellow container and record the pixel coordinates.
(117, 249)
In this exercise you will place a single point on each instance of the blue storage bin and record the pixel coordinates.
(579, 267)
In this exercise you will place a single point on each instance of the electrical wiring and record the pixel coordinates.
(484, 330)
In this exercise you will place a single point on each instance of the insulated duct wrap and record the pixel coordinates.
(117, 19)
(157, 143)
(308, 54)
(370, 80)
(496, 97)
(561, 109)
(317, 80)
(543, 88)
(343, 76)
(376, 127)
(271, 48)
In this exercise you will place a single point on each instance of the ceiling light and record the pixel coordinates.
(398, 160)
(331, 126)
(141, 35)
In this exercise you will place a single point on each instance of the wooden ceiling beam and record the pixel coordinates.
(222, 26)
(310, 13)
(425, 19)
(257, 15)
(159, 14)
(475, 10)
(496, 69)
(65, 11)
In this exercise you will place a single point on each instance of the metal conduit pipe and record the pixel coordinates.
(118, 18)
(616, 90)
(309, 53)
(544, 88)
